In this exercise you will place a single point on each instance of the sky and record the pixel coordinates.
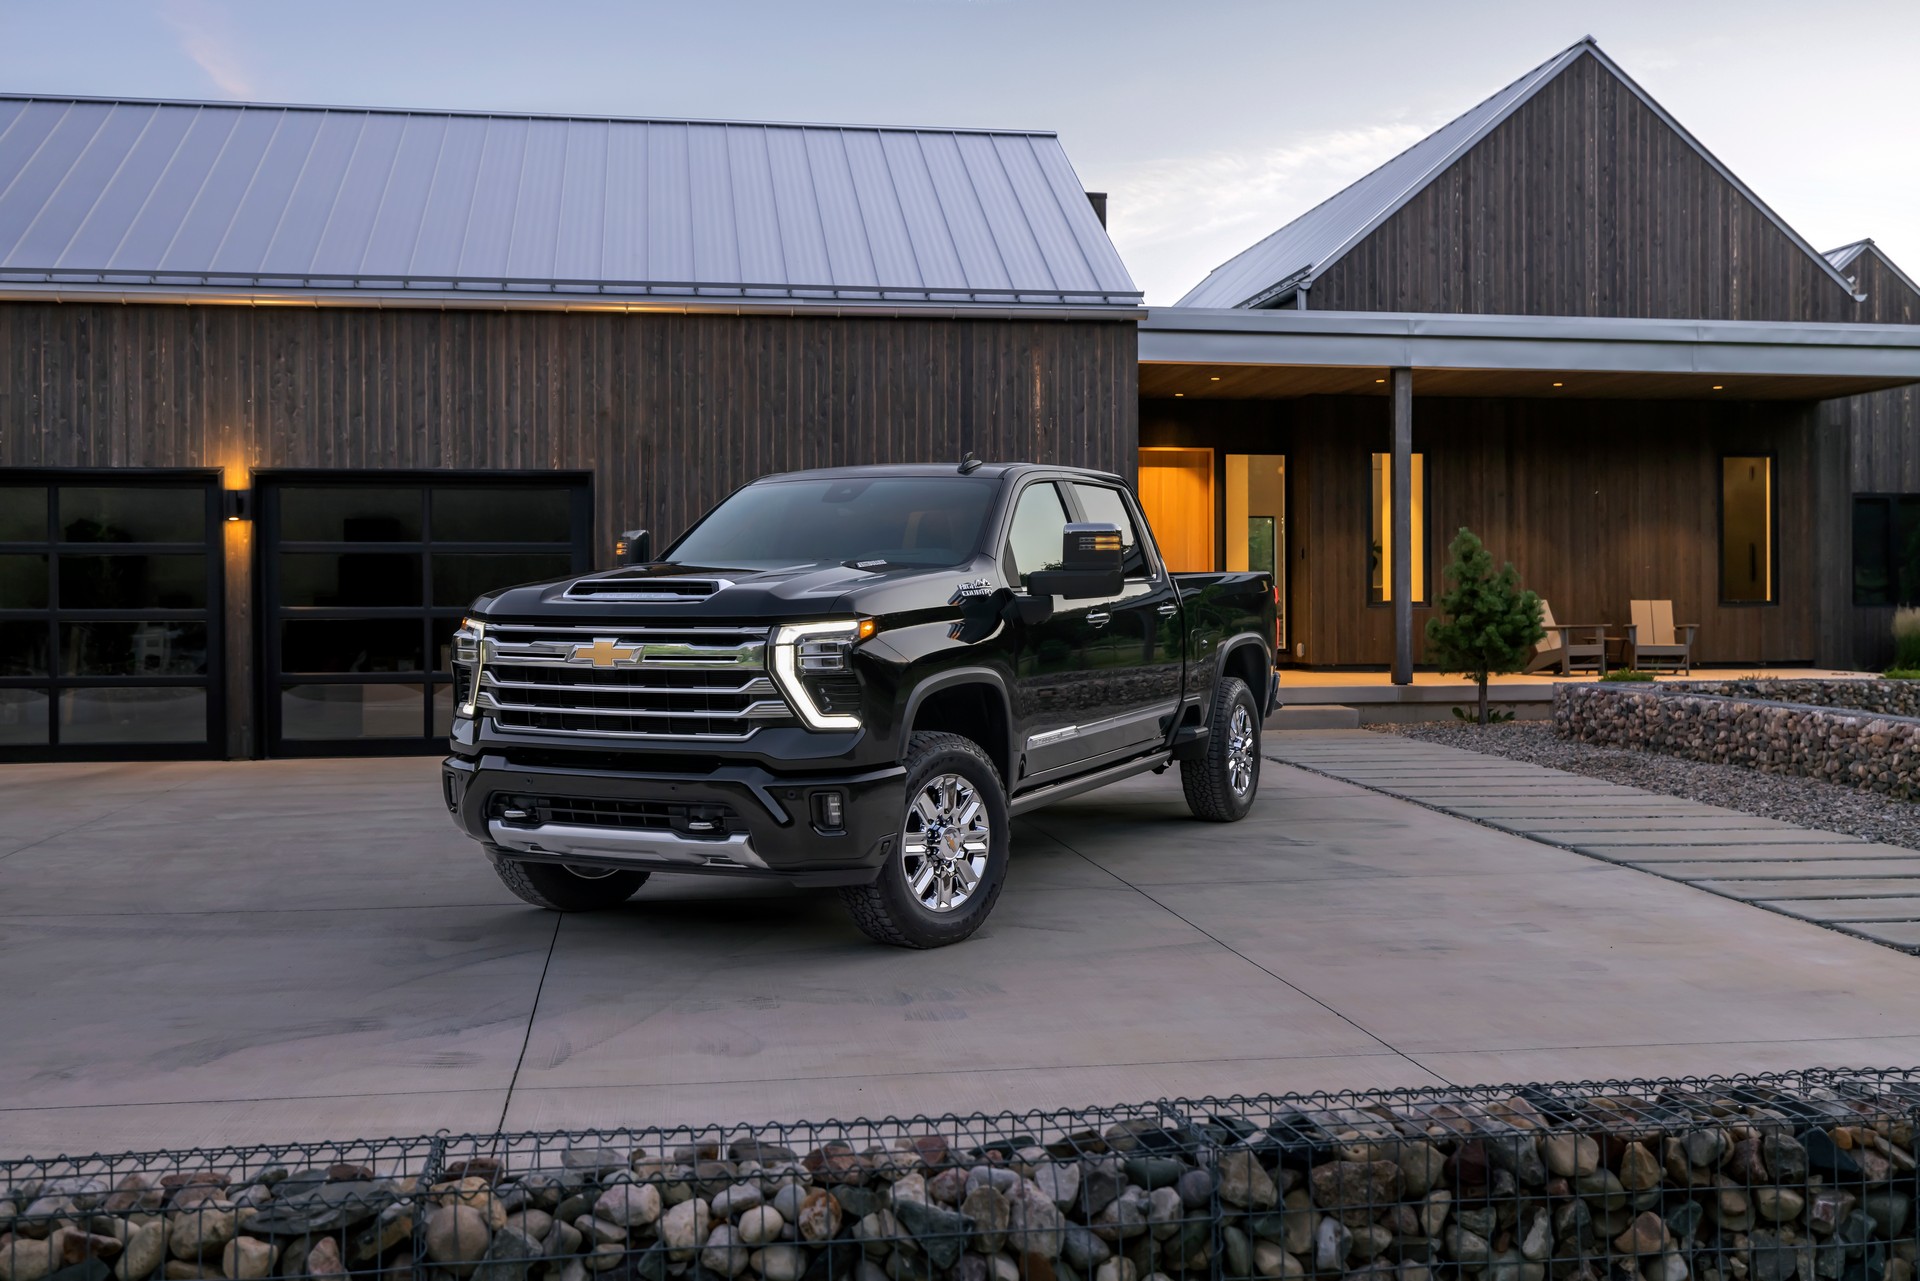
(1208, 122)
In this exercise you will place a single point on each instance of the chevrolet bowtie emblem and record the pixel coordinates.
(605, 653)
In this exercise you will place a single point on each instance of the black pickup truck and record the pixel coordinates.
(853, 678)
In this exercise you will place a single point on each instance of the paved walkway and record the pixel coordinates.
(283, 950)
(1842, 882)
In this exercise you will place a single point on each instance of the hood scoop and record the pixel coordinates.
(641, 587)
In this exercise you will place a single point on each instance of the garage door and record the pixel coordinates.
(364, 578)
(110, 605)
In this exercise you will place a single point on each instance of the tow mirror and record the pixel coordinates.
(1089, 565)
(634, 547)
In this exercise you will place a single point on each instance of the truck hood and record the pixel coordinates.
(682, 593)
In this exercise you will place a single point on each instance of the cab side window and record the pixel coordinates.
(1104, 506)
(1039, 529)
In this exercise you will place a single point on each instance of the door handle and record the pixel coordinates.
(1168, 610)
(1098, 620)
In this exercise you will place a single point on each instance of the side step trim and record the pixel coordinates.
(1033, 800)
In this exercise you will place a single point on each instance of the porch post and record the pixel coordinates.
(1402, 520)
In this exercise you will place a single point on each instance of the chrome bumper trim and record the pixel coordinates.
(559, 842)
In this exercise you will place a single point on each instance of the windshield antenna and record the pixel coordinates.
(969, 464)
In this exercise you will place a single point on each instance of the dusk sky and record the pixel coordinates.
(1210, 122)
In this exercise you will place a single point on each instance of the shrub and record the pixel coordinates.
(1627, 674)
(1906, 639)
(1488, 623)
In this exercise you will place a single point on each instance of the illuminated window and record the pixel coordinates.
(1746, 530)
(1380, 531)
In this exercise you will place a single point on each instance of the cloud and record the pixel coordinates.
(1177, 218)
(206, 38)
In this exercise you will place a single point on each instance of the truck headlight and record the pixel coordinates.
(469, 657)
(813, 665)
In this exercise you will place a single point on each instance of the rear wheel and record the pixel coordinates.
(950, 858)
(559, 887)
(1220, 785)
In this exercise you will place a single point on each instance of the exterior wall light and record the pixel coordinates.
(236, 504)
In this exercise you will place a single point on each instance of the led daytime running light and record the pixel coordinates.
(787, 639)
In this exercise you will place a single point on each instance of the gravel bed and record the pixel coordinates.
(1779, 796)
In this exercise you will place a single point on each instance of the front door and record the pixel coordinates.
(1051, 695)
(1256, 523)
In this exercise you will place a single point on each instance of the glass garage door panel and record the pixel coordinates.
(366, 579)
(109, 616)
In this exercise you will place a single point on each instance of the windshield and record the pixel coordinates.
(866, 522)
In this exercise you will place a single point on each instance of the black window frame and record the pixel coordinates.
(212, 615)
(1773, 529)
(272, 678)
(1890, 502)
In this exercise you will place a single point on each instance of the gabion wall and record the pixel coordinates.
(1865, 750)
(1781, 1178)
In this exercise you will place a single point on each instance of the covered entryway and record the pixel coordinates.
(110, 615)
(364, 577)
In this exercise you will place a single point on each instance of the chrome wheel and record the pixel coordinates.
(1240, 739)
(943, 848)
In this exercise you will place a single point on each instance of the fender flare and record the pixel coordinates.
(1262, 690)
(946, 680)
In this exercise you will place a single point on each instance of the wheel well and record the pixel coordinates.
(974, 710)
(1244, 661)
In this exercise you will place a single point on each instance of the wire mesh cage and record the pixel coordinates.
(1798, 1177)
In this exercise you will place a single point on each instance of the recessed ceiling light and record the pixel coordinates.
(1216, 378)
(1559, 384)
(1179, 393)
(1718, 387)
(1379, 380)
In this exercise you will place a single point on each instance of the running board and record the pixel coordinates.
(1086, 783)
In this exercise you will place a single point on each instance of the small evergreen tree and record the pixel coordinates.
(1489, 624)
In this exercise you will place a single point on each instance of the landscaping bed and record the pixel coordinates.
(1805, 801)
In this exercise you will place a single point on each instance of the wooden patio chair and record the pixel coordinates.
(1569, 645)
(1654, 640)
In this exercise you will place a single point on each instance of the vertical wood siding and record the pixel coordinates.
(1596, 503)
(669, 412)
(1583, 203)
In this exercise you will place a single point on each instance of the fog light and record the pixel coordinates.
(829, 812)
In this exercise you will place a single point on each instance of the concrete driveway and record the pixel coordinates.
(204, 953)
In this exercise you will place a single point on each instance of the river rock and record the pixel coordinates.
(457, 1237)
(1244, 1182)
(685, 1227)
(1331, 1241)
(1779, 1205)
(507, 1257)
(1125, 1218)
(631, 1205)
(1060, 1180)
(1034, 1221)
(145, 1250)
(1647, 1234)
(202, 1231)
(1570, 1155)
(780, 1263)
(1269, 1260)
(247, 1259)
(1638, 1170)
(759, 1225)
(949, 1187)
(323, 1261)
(723, 1253)
(991, 1213)
(24, 1258)
(1082, 1249)
(819, 1216)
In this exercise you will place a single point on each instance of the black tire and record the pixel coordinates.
(889, 911)
(560, 889)
(1211, 782)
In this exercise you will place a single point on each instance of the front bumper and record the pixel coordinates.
(771, 830)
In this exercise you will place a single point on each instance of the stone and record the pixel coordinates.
(134, 1192)
(604, 1257)
(204, 1230)
(74, 1246)
(1083, 1249)
(1164, 1213)
(37, 1219)
(684, 1228)
(1354, 1189)
(1603, 1187)
(247, 1259)
(1421, 1166)
(1331, 1241)
(535, 1223)
(1683, 1222)
(1269, 1260)
(457, 1237)
(949, 1187)
(1370, 1240)
(1769, 1258)
(1467, 1248)
(1119, 1270)
(322, 1261)
(723, 1253)
(1101, 1180)
(1889, 1211)
(856, 1202)
(1238, 1251)
(939, 1232)
(1647, 1234)
(1518, 1156)
(145, 1250)
(1125, 1218)
(818, 1216)
(1244, 1182)
(996, 1176)
(1060, 1181)
(1433, 1212)
(780, 1263)
(1638, 1170)
(1785, 1156)
(181, 1270)
(1745, 1165)
(760, 1225)
(729, 1202)
(1152, 1172)
(24, 1258)
(631, 1205)
(595, 1160)
(1536, 1245)
(507, 1259)
(1034, 1222)
(991, 1213)
(1779, 1205)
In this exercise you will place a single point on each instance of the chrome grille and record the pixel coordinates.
(628, 682)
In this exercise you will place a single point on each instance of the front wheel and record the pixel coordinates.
(1221, 784)
(562, 888)
(950, 858)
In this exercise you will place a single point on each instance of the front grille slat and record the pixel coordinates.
(715, 820)
(701, 683)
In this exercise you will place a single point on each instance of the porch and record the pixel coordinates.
(1609, 460)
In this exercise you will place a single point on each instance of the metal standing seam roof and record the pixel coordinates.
(1296, 254)
(1846, 255)
(222, 196)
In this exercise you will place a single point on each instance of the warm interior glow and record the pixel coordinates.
(1746, 530)
(1381, 536)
